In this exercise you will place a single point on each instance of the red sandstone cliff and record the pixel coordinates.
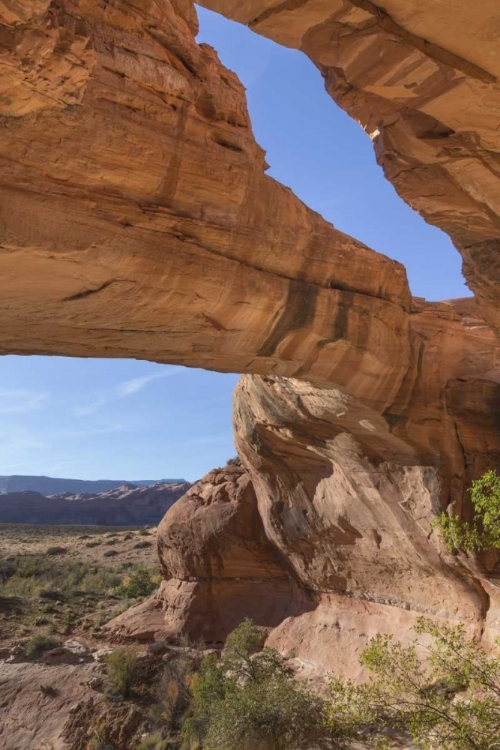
(136, 220)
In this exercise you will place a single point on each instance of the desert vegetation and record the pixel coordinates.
(483, 531)
(440, 692)
(247, 698)
(57, 581)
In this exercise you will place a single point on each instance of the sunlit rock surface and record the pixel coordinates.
(219, 567)
(328, 528)
(136, 220)
(422, 77)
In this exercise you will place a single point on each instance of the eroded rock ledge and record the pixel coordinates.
(136, 220)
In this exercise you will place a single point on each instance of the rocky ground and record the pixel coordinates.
(58, 586)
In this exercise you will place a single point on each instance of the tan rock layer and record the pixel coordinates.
(136, 219)
(219, 567)
(334, 530)
(422, 78)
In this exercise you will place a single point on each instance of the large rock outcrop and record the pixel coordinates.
(339, 543)
(219, 567)
(136, 220)
(422, 78)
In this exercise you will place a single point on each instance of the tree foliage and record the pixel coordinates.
(247, 700)
(483, 532)
(446, 697)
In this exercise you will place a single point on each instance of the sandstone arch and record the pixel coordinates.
(136, 220)
(423, 79)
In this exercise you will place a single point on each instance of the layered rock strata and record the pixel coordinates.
(126, 505)
(136, 220)
(326, 537)
(422, 78)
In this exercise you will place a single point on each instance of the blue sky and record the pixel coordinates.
(125, 419)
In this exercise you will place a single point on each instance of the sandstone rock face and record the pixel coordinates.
(29, 721)
(219, 567)
(422, 77)
(348, 495)
(331, 520)
(351, 512)
(136, 220)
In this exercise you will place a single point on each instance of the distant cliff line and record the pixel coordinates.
(128, 505)
(57, 485)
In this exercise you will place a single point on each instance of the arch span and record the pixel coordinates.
(136, 220)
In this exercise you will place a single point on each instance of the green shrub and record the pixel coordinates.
(249, 700)
(139, 584)
(121, 670)
(144, 544)
(483, 532)
(39, 644)
(443, 697)
(175, 693)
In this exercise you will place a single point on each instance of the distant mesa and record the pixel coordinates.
(57, 485)
(119, 504)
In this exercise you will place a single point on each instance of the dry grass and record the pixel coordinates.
(58, 580)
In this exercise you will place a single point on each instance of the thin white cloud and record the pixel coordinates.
(92, 408)
(129, 387)
(21, 401)
(123, 390)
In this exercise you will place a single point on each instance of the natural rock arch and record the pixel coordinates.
(136, 220)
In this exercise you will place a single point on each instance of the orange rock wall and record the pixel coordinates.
(422, 78)
(136, 220)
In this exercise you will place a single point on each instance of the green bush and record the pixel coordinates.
(175, 693)
(121, 671)
(139, 584)
(144, 544)
(483, 532)
(249, 700)
(445, 696)
(38, 645)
